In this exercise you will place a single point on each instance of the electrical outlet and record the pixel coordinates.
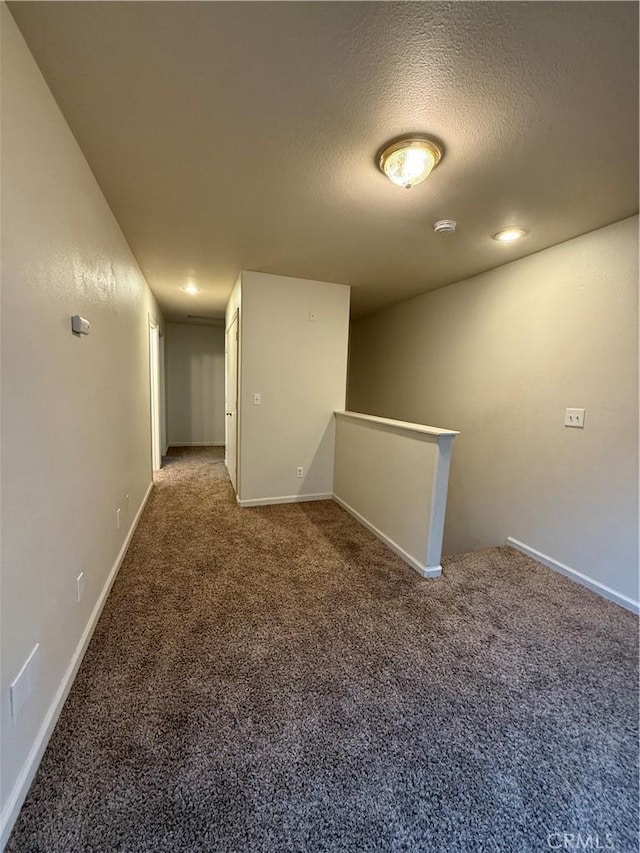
(300, 472)
(257, 399)
(80, 586)
(574, 418)
(313, 316)
(118, 518)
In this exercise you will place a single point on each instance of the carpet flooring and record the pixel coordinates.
(274, 679)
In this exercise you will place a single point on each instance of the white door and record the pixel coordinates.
(154, 381)
(231, 403)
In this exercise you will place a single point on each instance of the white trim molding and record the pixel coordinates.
(594, 585)
(28, 771)
(400, 426)
(287, 499)
(424, 570)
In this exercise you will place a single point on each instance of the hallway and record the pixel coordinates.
(274, 679)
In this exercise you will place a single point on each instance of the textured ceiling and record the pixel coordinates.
(242, 135)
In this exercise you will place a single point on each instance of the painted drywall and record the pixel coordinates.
(393, 476)
(293, 352)
(195, 384)
(499, 357)
(75, 409)
(244, 135)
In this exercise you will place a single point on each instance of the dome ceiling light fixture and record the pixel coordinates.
(407, 161)
(510, 234)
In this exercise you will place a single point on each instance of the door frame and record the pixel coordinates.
(235, 318)
(164, 445)
(155, 394)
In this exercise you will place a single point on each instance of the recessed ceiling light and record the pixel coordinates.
(408, 161)
(508, 235)
(191, 288)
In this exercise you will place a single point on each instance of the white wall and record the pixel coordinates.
(75, 410)
(299, 368)
(195, 384)
(499, 357)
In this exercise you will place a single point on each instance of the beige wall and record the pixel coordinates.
(299, 367)
(75, 410)
(195, 384)
(499, 357)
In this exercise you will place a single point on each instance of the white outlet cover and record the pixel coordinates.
(257, 399)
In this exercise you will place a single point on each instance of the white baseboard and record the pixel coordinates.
(25, 777)
(425, 571)
(574, 574)
(195, 444)
(287, 499)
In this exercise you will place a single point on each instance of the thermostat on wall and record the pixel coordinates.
(79, 325)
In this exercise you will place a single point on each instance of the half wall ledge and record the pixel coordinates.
(393, 477)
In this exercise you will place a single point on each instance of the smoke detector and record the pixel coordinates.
(444, 226)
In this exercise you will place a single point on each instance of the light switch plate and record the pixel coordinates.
(574, 418)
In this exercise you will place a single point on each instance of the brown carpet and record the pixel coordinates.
(274, 679)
